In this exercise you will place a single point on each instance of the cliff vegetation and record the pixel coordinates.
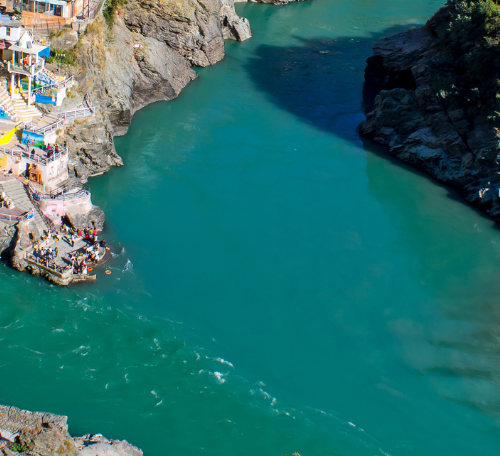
(468, 37)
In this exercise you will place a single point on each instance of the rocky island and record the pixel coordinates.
(438, 105)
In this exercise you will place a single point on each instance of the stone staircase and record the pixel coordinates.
(16, 191)
(6, 104)
(17, 108)
(22, 111)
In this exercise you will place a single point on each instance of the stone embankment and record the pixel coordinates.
(426, 113)
(44, 434)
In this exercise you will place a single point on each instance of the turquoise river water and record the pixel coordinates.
(279, 285)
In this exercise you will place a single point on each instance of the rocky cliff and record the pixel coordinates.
(146, 56)
(438, 106)
(44, 434)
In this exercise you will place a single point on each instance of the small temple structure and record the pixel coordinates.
(26, 62)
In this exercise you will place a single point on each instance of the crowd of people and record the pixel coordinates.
(50, 149)
(79, 260)
(47, 255)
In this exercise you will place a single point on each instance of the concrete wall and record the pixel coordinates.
(54, 208)
(15, 33)
(53, 173)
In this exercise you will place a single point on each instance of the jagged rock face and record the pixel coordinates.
(7, 231)
(233, 26)
(146, 57)
(423, 127)
(91, 144)
(125, 71)
(97, 445)
(189, 27)
(66, 40)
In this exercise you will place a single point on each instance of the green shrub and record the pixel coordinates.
(68, 59)
(109, 10)
(19, 448)
(469, 69)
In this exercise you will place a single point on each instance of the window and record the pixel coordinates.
(8, 31)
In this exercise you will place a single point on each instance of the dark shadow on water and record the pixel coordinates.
(320, 81)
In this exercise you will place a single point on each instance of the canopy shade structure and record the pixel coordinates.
(34, 50)
(52, 2)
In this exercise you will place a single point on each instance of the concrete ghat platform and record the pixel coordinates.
(60, 271)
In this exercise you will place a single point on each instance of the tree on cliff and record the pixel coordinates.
(468, 35)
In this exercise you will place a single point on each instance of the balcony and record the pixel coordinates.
(27, 70)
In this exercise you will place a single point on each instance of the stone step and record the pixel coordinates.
(16, 191)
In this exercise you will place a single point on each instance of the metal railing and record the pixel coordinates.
(91, 11)
(28, 69)
(57, 85)
(79, 112)
(67, 186)
(63, 193)
(51, 266)
(17, 218)
(73, 114)
(33, 158)
(48, 128)
(68, 196)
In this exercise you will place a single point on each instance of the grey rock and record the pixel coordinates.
(233, 26)
(81, 220)
(46, 434)
(146, 57)
(422, 127)
(97, 445)
(65, 40)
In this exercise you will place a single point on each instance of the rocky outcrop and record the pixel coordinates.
(46, 434)
(65, 40)
(426, 117)
(233, 26)
(145, 57)
(97, 445)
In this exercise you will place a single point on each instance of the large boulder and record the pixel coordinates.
(65, 40)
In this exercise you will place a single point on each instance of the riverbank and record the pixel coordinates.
(144, 57)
